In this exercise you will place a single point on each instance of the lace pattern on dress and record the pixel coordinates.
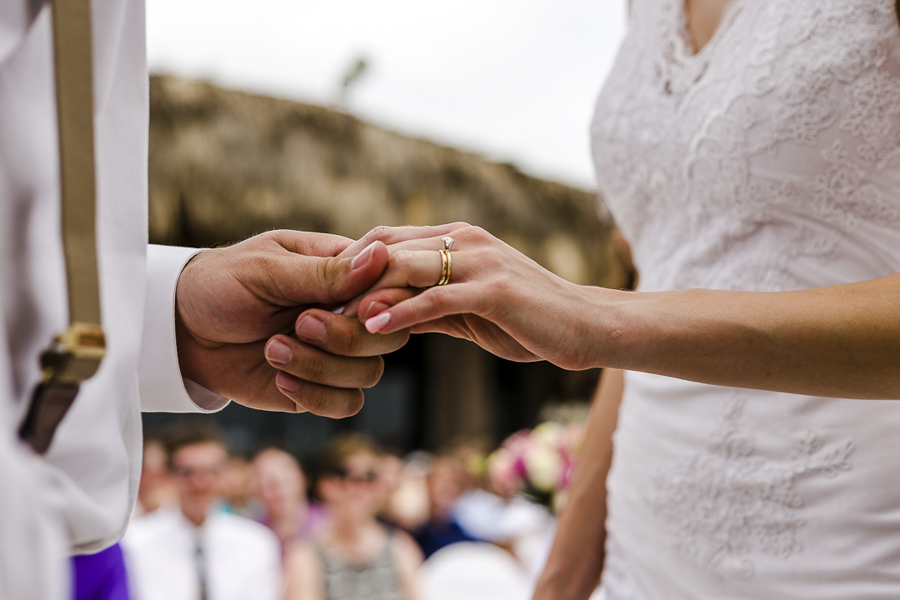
(679, 138)
(762, 163)
(724, 503)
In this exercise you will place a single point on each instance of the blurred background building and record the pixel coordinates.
(225, 165)
(507, 88)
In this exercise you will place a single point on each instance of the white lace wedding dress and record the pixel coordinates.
(769, 160)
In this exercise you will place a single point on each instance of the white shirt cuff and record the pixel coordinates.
(162, 387)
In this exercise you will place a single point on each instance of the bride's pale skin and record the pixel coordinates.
(841, 341)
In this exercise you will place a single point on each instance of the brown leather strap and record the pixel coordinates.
(49, 405)
(74, 355)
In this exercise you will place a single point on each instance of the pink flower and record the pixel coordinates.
(503, 473)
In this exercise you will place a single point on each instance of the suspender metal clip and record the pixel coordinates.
(75, 354)
(73, 357)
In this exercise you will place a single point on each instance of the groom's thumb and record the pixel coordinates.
(332, 280)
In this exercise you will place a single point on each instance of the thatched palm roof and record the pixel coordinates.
(225, 165)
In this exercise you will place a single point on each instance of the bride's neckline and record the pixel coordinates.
(688, 47)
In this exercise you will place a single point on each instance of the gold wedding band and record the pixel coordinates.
(446, 260)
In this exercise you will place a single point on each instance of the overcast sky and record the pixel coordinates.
(514, 80)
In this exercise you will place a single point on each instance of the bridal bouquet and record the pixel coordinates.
(538, 463)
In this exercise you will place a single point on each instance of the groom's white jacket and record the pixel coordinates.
(79, 497)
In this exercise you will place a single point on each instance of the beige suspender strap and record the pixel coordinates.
(74, 355)
(75, 112)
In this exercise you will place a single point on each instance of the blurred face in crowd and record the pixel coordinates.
(155, 488)
(197, 471)
(353, 493)
(237, 482)
(409, 505)
(445, 485)
(390, 470)
(280, 484)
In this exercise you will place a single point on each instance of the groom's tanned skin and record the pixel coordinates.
(235, 323)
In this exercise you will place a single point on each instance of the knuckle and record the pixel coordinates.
(328, 272)
(503, 285)
(334, 402)
(344, 336)
(401, 256)
(267, 238)
(322, 270)
(398, 259)
(401, 268)
(477, 233)
(381, 232)
(353, 340)
(256, 260)
(258, 265)
(314, 366)
(316, 400)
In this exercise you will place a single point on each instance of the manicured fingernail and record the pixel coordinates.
(339, 310)
(310, 329)
(288, 383)
(376, 324)
(278, 352)
(375, 308)
(363, 258)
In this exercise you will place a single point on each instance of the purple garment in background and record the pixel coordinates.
(100, 576)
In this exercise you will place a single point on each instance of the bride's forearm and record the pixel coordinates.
(573, 568)
(841, 341)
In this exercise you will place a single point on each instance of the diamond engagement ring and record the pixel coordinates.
(446, 260)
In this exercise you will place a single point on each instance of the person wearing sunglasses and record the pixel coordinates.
(353, 556)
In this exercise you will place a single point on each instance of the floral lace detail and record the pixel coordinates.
(871, 103)
(786, 120)
(724, 503)
(840, 194)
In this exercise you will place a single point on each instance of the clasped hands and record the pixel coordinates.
(294, 321)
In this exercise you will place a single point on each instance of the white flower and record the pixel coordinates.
(549, 433)
(544, 466)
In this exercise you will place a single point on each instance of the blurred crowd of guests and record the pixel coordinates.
(357, 526)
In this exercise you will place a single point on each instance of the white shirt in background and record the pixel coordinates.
(529, 527)
(241, 558)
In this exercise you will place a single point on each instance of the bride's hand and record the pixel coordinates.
(497, 297)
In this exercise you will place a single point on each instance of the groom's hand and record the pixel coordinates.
(236, 329)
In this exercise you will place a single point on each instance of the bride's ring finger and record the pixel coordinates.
(420, 269)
